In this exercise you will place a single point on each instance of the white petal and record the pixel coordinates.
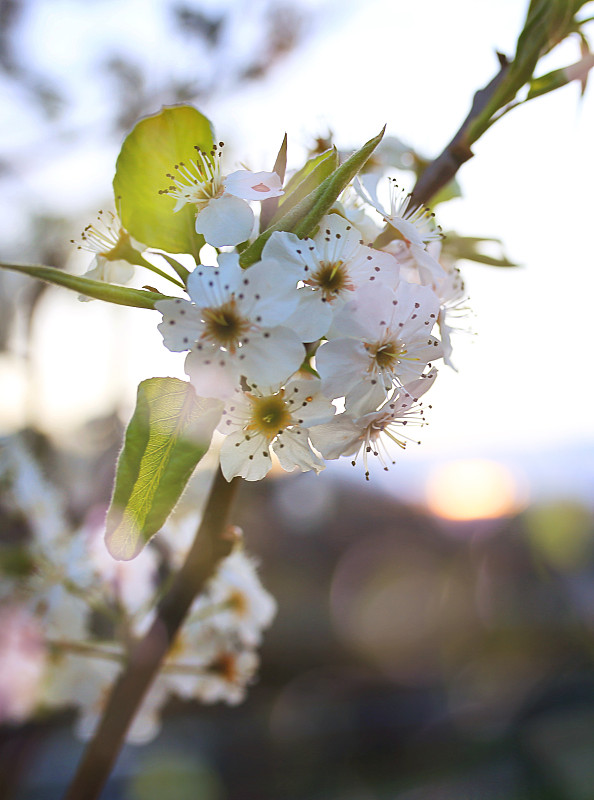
(292, 253)
(226, 220)
(110, 271)
(312, 317)
(244, 455)
(267, 295)
(271, 356)
(253, 185)
(341, 364)
(213, 372)
(366, 396)
(306, 403)
(337, 239)
(341, 437)
(293, 450)
(181, 324)
(418, 387)
(430, 270)
(211, 286)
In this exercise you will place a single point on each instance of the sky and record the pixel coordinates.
(524, 383)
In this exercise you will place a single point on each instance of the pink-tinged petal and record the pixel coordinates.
(245, 456)
(293, 450)
(253, 185)
(226, 220)
(271, 356)
(181, 324)
(23, 662)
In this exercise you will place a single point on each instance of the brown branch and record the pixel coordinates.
(209, 547)
(442, 169)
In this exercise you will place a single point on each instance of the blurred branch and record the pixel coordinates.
(210, 546)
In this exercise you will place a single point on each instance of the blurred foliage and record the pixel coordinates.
(481, 249)
(412, 659)
(218, 55)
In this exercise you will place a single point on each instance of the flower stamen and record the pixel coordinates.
(224, 325)
(332, 278)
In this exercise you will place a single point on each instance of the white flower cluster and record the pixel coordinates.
(68, 622)
(325, 345)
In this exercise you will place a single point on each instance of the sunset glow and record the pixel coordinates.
(473, 489)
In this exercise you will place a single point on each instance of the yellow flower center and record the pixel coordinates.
(269, 415)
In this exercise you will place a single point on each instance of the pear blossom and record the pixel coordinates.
(351, 207)
(51, 652)
(449, 288)
(112, 246)
(74, 679)
(243, 607)
(228, 677)
(272, 418)
(415, 226)
(451, 291)
(83, 681)
(354, 435)
(381, 339)
(235, 326)
(223, 215)
(331, 266)
(206, 665)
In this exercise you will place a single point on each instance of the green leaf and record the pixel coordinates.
(306, 180)
(179, 268)
(121, 295)
(547, 83)
(560, 77)
(150, 151)
(448, 192)
(334, 185)
(168, 434)
(473, 248)
(303, 218)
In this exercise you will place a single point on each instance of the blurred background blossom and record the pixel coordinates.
(434, 631)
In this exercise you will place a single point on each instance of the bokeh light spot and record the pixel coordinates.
(473, 489)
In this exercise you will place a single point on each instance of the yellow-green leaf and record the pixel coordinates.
(168, 434)
(482, 249)
(303, 218)
(121, 295)
(307, 179)
(153, 148)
